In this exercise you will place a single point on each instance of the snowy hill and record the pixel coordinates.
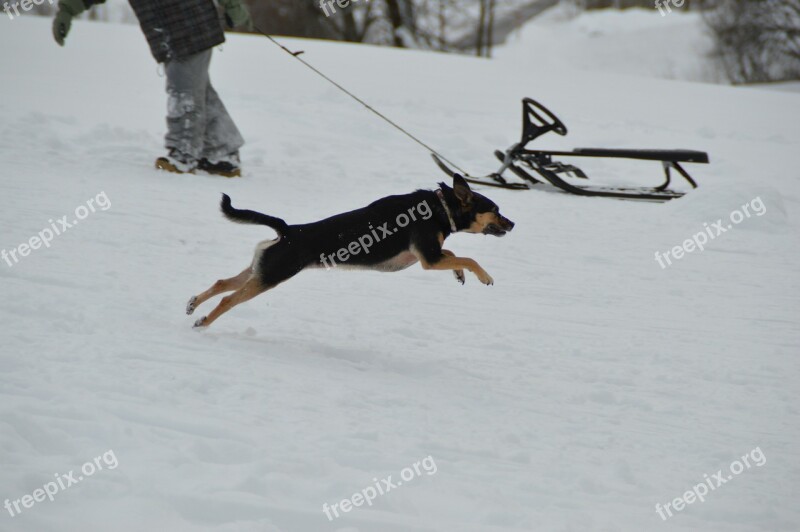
(582, 389)
(639, 42)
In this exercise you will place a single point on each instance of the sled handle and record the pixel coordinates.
(538, 120)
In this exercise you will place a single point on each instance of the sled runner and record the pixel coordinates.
(537, 120)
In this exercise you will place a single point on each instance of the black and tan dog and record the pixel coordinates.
(364, 239)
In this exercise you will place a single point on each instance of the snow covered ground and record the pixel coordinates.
(639, 42)
(582, 389)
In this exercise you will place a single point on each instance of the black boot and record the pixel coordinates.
(228, 166)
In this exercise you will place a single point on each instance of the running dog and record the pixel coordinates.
(362, 239)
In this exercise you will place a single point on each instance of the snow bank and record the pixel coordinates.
(639, 42)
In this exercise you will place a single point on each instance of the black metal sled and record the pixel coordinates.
(538, 120)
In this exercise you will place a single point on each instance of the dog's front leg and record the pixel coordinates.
(446, 262)
(459, 274)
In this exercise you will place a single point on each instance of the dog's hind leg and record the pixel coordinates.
(250, 289)
(223, 285)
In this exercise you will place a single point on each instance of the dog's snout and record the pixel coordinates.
(508, 225)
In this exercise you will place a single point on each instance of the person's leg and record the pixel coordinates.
(222, 138)
(187, 86)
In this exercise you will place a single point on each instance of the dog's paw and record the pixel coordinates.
(459, 275)
(200, 323)
(191, 305)
(485, 278)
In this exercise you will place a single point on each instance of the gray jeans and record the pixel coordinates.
(198, 125)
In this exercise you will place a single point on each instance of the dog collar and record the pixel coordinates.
(440, 195)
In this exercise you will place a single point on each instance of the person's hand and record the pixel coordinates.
(61, 25)
(236, 14)
(67, 10)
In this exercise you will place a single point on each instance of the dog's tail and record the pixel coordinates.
(251, 217)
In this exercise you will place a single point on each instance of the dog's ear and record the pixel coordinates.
(462, 191)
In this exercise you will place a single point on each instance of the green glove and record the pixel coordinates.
(236, 14)
(67, 9)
